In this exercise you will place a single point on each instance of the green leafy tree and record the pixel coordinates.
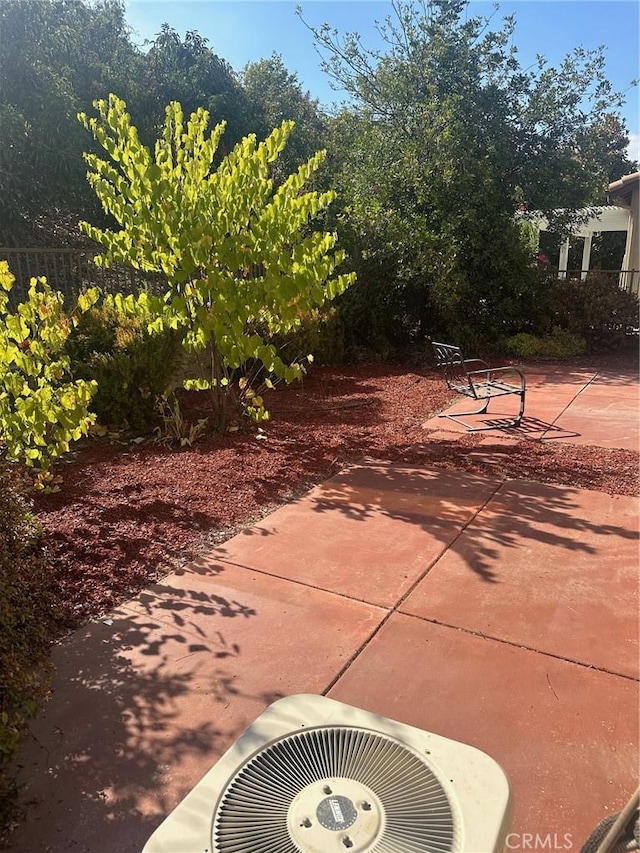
(239, 255)
(57, 56)
(275, 95)
(609, 139)
(42, 409)
(190, 72)
(446, 136)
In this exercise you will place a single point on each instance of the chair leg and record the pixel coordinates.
(479, 411)
(456, 417)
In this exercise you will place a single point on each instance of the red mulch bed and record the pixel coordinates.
(129, 513)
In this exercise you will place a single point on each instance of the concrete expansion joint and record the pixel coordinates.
(396, 607)
(308, 585)
(523, 646)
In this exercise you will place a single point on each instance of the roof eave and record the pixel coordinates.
(621, 191)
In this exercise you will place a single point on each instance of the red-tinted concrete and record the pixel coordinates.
(620, 380)
(566, 735)
(368, 533)
(547, 567)
(605, 416)
(562, 404)
(557, 376)
(145, 705)
(494, 422)
(595, 398)
(594, 429)
(542, 408)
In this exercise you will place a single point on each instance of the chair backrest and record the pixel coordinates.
(450, 360)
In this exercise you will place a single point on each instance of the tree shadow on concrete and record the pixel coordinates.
(143, 703)
(545, 515)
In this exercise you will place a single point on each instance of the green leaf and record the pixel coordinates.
(197, 384)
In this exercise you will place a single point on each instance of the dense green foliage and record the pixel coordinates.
(42, 408)
(274, 96)
(131, 366)
(56, 57)
(187, 71)
(320, 332)
(574, 316)
(27, 614)
(598, 310)
(446, 137)
(238, 253)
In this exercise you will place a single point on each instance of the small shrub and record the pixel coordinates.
(27, 616)
(42, 409)
(559, 344)
(598, 309)
(175, 431)
(131, 366)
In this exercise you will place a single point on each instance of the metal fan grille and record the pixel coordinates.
(252, 812)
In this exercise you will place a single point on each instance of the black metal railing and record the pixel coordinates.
(626, 279)
(72, 270)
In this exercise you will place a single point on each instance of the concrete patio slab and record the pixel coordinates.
(565, 404)
(368, 533)
(603, 401)
(545, 567)
(620, 380)
(604, 415)
(557, 374)
(544, 402)
(148, 699)
(592, 429)
(625, 391)
(566, 735)
(540, 419)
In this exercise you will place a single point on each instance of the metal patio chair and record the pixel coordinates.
(481, 384)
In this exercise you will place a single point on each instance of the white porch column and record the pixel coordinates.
(631, 260)
(563, 261)
(586, 255)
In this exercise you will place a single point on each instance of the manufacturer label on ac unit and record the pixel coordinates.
(336, 813)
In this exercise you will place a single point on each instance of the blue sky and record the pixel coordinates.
(241, 31)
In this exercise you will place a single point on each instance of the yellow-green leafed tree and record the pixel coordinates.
(238, 253)
(42, 409)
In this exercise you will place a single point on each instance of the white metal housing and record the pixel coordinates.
(357, 816)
